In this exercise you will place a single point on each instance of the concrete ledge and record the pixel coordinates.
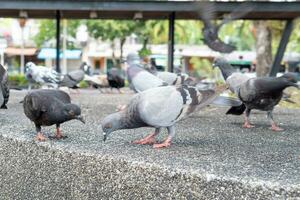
(222, 162)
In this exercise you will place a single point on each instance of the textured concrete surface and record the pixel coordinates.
(212, 157)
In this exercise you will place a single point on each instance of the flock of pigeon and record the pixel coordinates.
(162, 99)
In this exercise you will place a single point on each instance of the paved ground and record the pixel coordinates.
(211, 157)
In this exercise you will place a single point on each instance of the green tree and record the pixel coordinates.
(111, 30)
(47, 31)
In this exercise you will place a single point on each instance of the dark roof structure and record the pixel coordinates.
(81, 9)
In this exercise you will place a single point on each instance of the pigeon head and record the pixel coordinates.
(224, 66)
(132, 59)
(290, 76)
(29, 65)
(72, 111)
(110, 124)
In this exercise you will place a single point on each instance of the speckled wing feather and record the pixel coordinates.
(172, 78)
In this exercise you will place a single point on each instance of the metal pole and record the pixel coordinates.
(57, 40)
(282, 46)
(64, 67)
(22, 57)
(171, 42)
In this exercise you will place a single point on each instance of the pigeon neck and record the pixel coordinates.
(226, 70)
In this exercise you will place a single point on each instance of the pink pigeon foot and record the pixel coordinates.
(150, 139)
(276, 128)
(247, 125)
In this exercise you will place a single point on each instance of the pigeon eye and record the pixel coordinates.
(108, 126)
(71, 112)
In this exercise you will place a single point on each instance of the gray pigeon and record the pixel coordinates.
(159, 107)
(41, 75)
(72, 79)
(4, 89)
(256, 93)
(48, 107)
(139, 78)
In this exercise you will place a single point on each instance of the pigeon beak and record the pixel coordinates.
(80, 118)
(104, 137)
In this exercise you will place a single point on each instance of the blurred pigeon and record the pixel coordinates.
(210, 31)
(159, 107)
(256, 93)
(4, 89)
(72, 79)
(97, 81)
(41, 75)
(86, 68)
(115, 78)
(47, 107)
(139, 78)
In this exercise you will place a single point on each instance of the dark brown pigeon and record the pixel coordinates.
(48, 107)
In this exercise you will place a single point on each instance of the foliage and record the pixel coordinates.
(83, 84)
(47, 31)
(110, 29)
(17, 80)
(202, 67)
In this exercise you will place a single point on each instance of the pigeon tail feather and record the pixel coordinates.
(236, 110)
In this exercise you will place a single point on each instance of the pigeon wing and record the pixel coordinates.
(161, 106)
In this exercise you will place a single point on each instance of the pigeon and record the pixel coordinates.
(262, 93)
(41, 75)
(48, 107)
(97, 81)
(4, 89)
(210, 31)
(159, 107)
(115, 79)
(139, 78)
(86, 68)
(72, 79)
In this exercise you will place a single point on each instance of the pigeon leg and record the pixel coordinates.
(58, 134)
(120, 91)
(273, 127)
(150, 139)
(247, 122)
(39, 136)
(167, 142)
(121, 107)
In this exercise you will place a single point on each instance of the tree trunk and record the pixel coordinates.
(263, 38)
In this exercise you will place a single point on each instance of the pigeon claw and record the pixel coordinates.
(247, 125)
(150, 139)
(275, 128)
(162, 145)
(40, 137)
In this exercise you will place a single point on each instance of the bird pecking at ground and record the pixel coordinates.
(159, 107)
(47, 107)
